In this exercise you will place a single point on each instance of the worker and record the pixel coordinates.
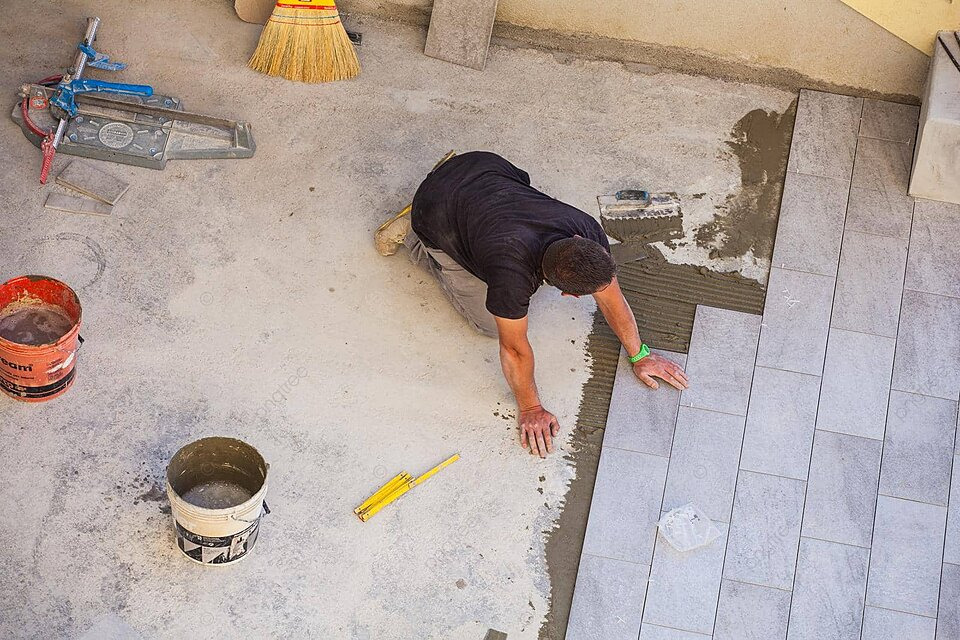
(491, 240)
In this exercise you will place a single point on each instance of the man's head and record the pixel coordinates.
(578, 266)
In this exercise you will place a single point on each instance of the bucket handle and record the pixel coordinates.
(264, 512)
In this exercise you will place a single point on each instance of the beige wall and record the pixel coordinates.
(812, 42)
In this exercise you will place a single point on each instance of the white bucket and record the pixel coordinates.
(216, 536)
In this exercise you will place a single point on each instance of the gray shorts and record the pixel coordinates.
(466, 292)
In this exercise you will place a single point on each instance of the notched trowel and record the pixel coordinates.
(633, 215)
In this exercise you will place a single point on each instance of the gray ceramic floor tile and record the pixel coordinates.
(654, 632)
(764, 530)
(460, 31)
(883, 624)
(928, 346)
(889, 120)
(825, 134)
(934, 264)
(842, 488)
(640, 418)
(780, 423)
(869, 284)
(885, 214)
(856, 383)
(607, 600)
(948, 618)
(918, 448)
(828, 594)
(810, 202)
(883, 165)
(625, 506)
(723, 349)
(906, 557)
(796, 319)
(951, 548)
(703, 466)
(684, 587)
(751, 612)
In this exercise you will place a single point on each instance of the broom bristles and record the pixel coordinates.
(306, 43)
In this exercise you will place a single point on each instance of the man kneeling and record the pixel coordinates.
(491, 240)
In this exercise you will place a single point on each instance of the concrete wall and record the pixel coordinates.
(816, 43)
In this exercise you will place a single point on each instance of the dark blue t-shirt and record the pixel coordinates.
(480, 209)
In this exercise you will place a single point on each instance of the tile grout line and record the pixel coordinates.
(842, 544)
(826, 348)
(909, 613)
(930, 293)
(597, 555)
(876, 507)
(795, 270)
(725, 413)
(663, 494)
(946, 523)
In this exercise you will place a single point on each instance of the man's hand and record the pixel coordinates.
(658, 366)
(537, 428)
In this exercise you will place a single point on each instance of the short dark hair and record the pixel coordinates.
(578, 266)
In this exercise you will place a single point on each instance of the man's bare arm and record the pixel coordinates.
(620, 317)
(537, 425)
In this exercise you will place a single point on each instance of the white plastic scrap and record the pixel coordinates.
(687, 528)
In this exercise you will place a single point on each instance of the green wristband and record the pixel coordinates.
(644, 352)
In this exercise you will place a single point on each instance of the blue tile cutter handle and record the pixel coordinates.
(73, 83)
(65, 97)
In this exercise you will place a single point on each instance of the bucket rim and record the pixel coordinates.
(74, 329)
(228, 512)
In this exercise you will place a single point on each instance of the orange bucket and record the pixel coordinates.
(41, 369)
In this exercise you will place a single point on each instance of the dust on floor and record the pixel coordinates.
(244, 298)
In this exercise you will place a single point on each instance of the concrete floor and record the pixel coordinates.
(244, 298)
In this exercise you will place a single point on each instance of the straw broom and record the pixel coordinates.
(304, 40)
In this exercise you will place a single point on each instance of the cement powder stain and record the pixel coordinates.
(747, 222)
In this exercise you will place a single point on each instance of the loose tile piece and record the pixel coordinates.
(625, 506)
(856, 383)
(72, 204)
(751, 612)
(883, 165)
(780, 423)
(810, 203)
(889, 121)
(654, 632)
(92, 182)
(869, 284)
(796, 319)
(948, 617)
(883, 213)
(928, 346)
(842, 488)
(684, 587)
(828, 594)
(825, 134)
(460, 31)
(906, 558)
(608, 600)
(703, 465)
(640, 418)
(764, 530)
(935, 249)
(884, 624)
(723, 350)
(951, 548)
(918, 448)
